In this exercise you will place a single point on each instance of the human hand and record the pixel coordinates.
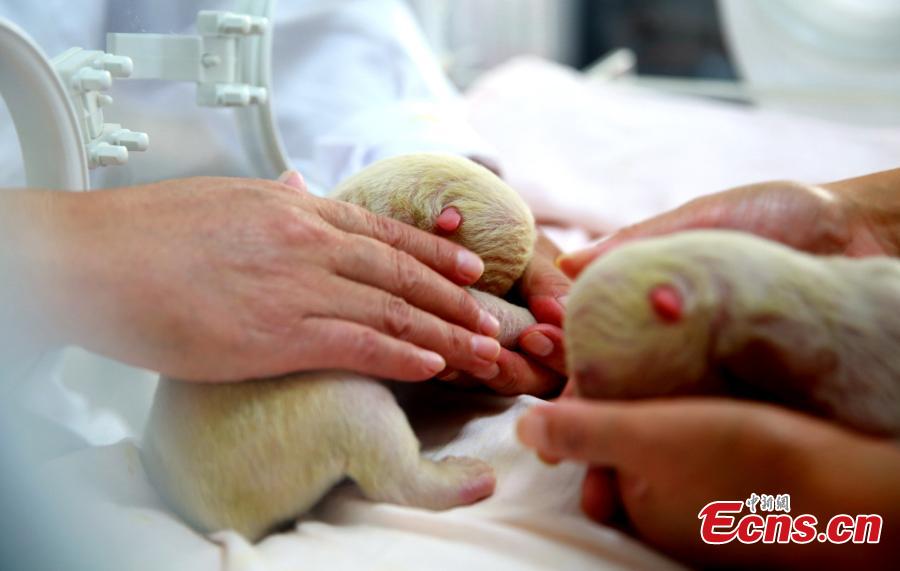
(659, 462)
(855, 217)
(539, 368)
(228, 279)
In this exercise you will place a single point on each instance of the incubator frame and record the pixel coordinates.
(57, 105)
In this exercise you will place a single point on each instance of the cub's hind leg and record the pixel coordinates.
(385, 462)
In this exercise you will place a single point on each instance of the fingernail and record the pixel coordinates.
(599, 241)
(488, 324)
(563, 300)
(488, 373)
(449, 376)
(537, 344)
(433, 362)
(547, 459)
(578, 257)
(572, 264)
(572, 258)
(469, 265)
(486, 348)
(532, 429)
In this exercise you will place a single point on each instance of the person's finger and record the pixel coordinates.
(449, 375)
(599, 494)
(467, 380)
(293, 179)
(695, 214)
(458, 379)
(369, 261)
(543, 285)
(549, 459)
(568, 390)
(395, 317)
(545, 289)
(599, 433)
(447, 258)
(595, 431)
(519, 375)
(573, 263)
(346, 345)
(545, 344)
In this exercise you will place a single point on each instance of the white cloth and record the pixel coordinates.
(532, 522)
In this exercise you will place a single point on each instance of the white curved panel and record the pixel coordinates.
(258, 124)
(840, 58)
(45, 121)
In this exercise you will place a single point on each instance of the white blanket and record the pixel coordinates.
(531, 522)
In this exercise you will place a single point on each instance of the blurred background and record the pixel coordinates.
(837, 59)
(669, 38)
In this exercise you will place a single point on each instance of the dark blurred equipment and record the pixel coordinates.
(681, 38)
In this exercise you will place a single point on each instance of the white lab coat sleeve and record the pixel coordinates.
(355, 82)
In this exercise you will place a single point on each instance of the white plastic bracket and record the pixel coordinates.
(87, 74)
(214, 58)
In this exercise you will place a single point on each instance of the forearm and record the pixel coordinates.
(35, 235)
(833, 471)
(874, 203)
(860, 478)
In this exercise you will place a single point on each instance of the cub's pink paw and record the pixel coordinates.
(469, 479)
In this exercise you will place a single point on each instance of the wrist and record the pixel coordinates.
(29, 237)
(873, 206)
(859, 477)
(89, 262)
(42, 259)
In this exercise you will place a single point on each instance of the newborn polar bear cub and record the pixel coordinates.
(725, 312)
(251, 456)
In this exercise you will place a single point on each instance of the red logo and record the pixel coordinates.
(721, 522)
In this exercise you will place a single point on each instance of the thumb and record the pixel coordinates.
(599, 433)
(293, 179)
